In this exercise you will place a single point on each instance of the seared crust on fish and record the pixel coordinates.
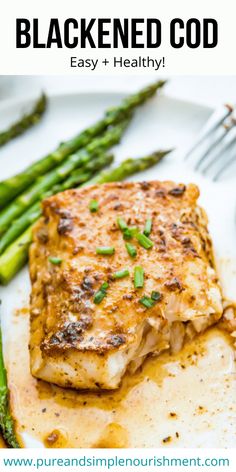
(78, 343)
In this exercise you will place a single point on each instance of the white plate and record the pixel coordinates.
(162, 123)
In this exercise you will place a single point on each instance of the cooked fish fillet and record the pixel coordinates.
(77, 343)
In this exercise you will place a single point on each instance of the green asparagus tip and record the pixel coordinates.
(128, 168)
(25, 122)
(134, 100)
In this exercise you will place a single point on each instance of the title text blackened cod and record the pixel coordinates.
(115, 33)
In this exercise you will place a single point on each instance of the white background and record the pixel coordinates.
(120, 453)
(219, 60)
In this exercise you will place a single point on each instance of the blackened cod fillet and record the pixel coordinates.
(78, 343)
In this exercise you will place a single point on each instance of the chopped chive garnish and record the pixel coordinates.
(144, 241)
(131, 250)
(127, 234)
(133, 230)
(105, 250)
(138, 277)
(147, 302)
(55, 260)
(104, 286)
(122, 224)
(93, 206)
(98, 297)
(150, 302)
(120, 274)
(101, 293)
(155, 296)
(148, 227)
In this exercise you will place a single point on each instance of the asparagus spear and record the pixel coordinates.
(32, 194)
(6, 421)
(13, 186)
(127, 168)
(25, 122)
(33, 213)
(16, 255)
(80, 176)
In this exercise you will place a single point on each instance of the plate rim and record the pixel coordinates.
(26, 99)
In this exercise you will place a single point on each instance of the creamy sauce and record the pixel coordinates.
(185, 400)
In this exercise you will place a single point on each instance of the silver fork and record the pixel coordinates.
(214, 150)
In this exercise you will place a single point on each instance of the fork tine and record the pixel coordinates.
(223, 168)
(225, 148)
(215, 120)
(212, 146)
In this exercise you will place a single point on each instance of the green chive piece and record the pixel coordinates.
(131, 250)
(93, 206)
(155, 296)
(101, 293)
(98, 297)
(133, 230)
(147, 302)
(127, 234)
(104, 286)
(120, 274)
(138, 277)
(144, 241)
(105, 250)
(148, 227)
(55, 260)
(122, 223)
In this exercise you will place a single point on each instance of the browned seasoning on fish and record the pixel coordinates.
(78, 343)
